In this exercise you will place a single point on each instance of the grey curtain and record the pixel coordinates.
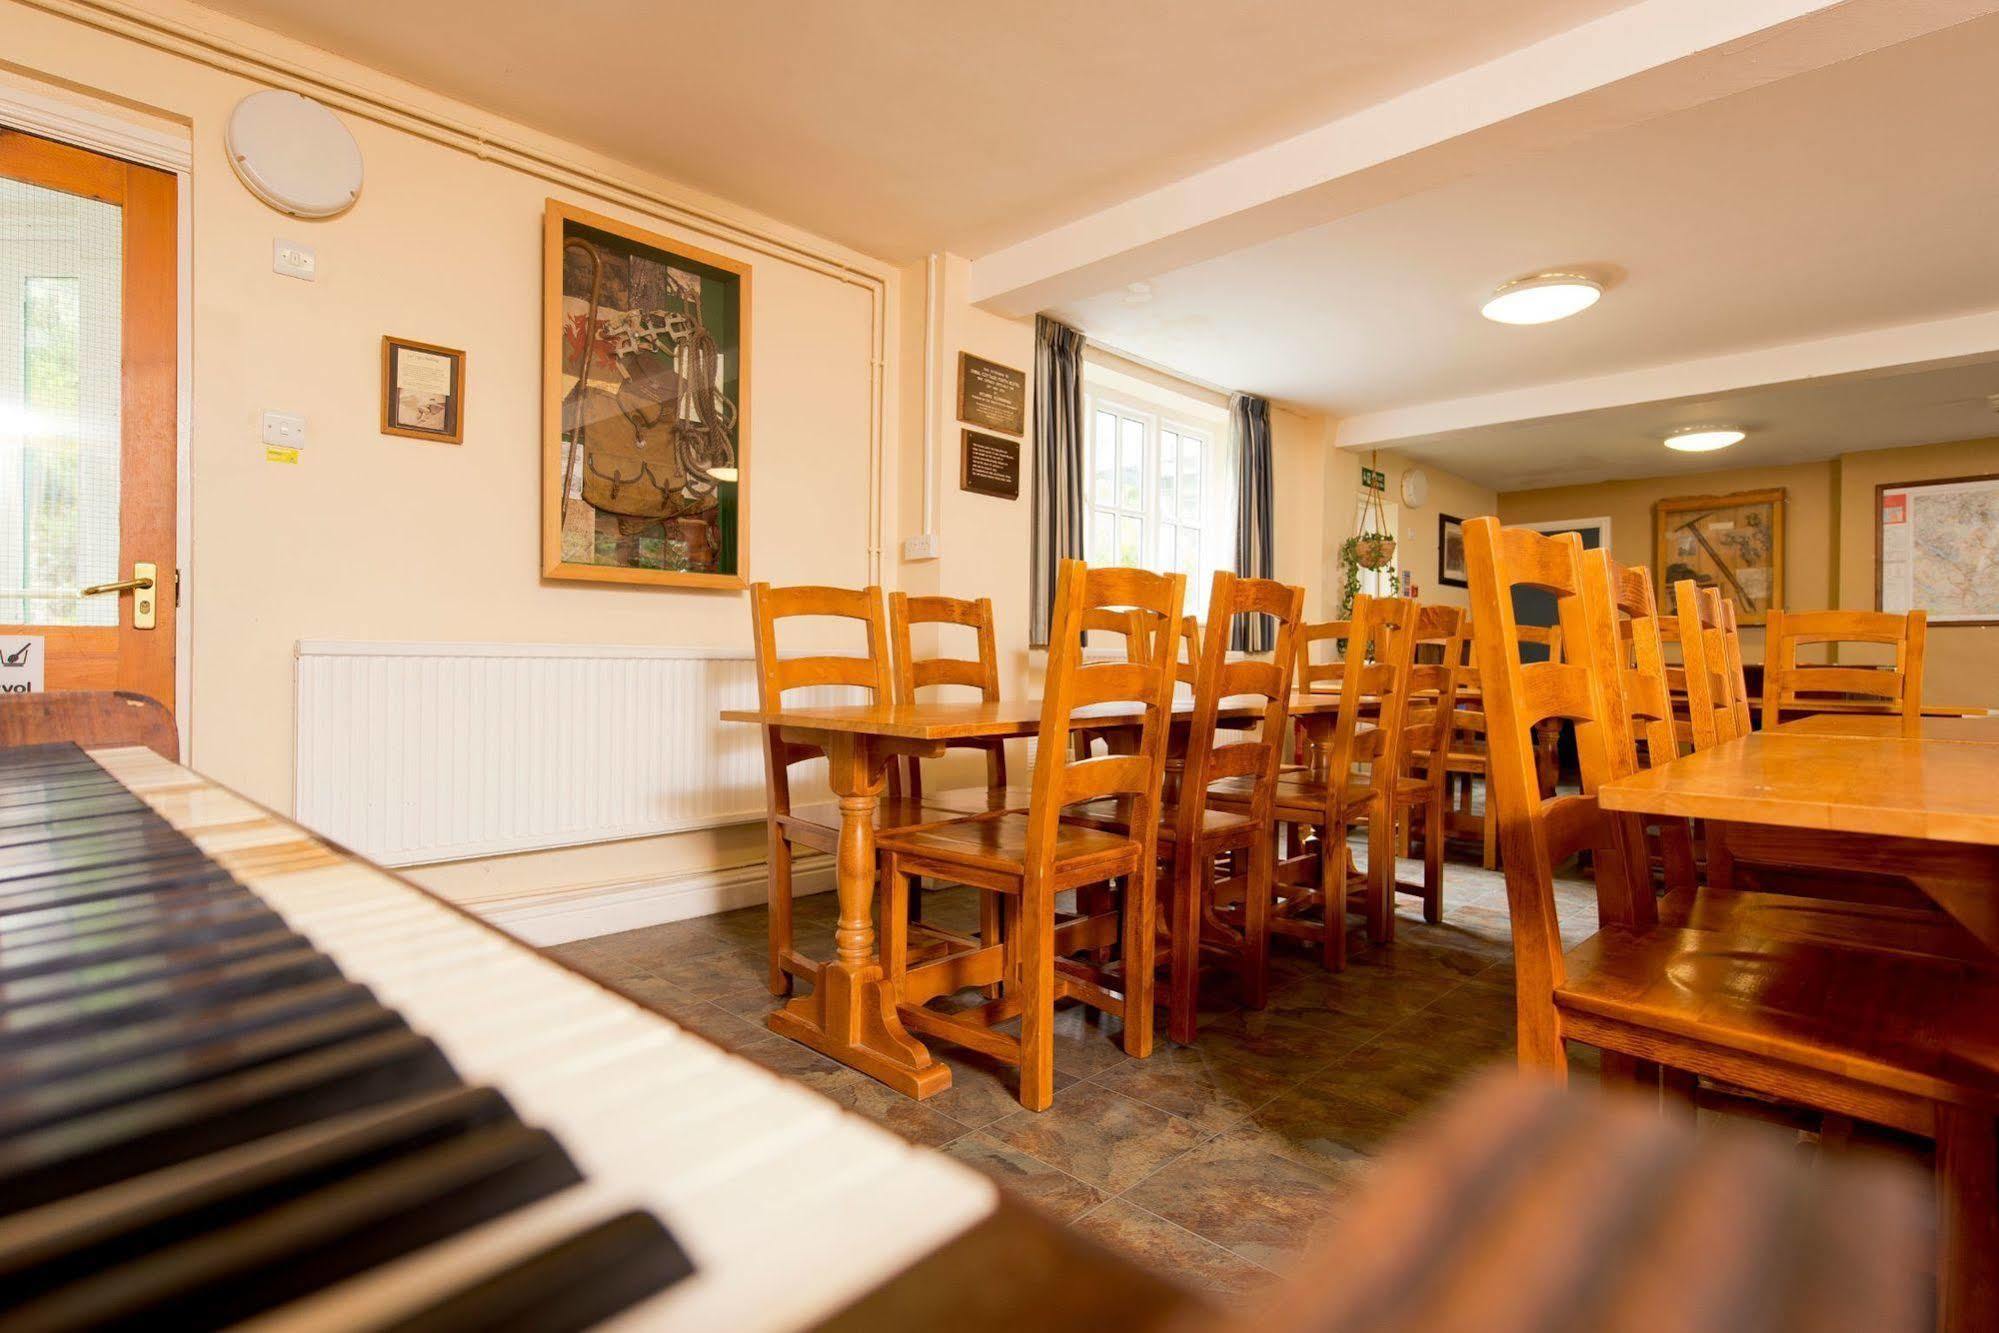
(1059, 463)
(1255, 552)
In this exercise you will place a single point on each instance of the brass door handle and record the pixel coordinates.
(122, 585)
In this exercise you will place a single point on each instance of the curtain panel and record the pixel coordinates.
(1255, 551)
(1059, 465)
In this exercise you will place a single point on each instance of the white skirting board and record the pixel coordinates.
(562, 915)
(422, 752)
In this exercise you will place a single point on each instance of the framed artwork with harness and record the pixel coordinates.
(645, 406)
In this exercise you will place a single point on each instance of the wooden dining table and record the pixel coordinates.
(1844, 793)
(850, 1013)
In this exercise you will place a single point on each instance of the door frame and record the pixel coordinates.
(104, 126)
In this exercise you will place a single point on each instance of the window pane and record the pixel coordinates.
(1103, 450)
(1099, 549)
(1130, 545)
(61, 274)
(1190, 479)
(1169, 457)
(1165, 560)
(1131, 463)
(1190, 552)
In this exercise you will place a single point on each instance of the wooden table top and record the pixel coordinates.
(1006, 717)
(1833, 783)
(1975, 730)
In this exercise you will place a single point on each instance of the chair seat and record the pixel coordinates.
(1103, 814)
(1824, 921)
(890, 812)
(999, 842)
(1923, 1027)
(979, 800)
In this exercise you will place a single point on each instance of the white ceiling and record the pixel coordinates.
(907, 126)
(1787, 423)
(1858, 195)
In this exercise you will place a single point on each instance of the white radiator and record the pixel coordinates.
(418, 752)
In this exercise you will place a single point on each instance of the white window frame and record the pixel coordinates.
(1217, 489)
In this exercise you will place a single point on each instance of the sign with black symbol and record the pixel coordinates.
(21, 665)
(989, 465)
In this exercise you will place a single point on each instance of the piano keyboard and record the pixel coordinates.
(351, 1015)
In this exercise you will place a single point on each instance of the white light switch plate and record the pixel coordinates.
(923, 546)
(282, 428)
(293, 260)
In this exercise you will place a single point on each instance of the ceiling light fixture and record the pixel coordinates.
(1542, 298)
(1704, 439)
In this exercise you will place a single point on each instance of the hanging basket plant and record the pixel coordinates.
(1374, 550)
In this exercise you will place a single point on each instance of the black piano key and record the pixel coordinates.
(185, 869)
(52, 831)
(103, 849)
(233, 1273)
(51, 923)
(125, 1141)
(122, 972)
(79, 1236)
(28, 791)
(575, 1284)
(64, 1019)
(34, 1106)
(85, 803)
(223, 1019)
(22, 959)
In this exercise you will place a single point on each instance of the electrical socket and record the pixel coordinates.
(923, 546)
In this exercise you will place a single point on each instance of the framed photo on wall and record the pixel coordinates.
(645, 406)
(1731, 542)
(1451, 552)
(423, 391)
(1935, 545)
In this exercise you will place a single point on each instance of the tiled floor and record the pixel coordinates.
(1213, 1162)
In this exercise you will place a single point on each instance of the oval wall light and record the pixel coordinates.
(1704, 439)
(1542, 298)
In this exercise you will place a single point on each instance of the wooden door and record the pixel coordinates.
(88, 283)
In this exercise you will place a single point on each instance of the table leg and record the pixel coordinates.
(850, 1014)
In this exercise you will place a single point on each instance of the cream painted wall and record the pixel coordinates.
(373, 537)
(1828, 539)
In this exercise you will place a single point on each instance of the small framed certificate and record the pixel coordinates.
(423, 391)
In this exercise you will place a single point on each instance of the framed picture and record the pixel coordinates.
(1732, 542)
(1935, 546)
(1451, 551)
(423, 391)
(645, 406)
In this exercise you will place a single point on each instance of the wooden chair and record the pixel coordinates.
(1732, 661)
(1432, 727)
(91, 718)
(1712, 713)
(1789, 687)
(914, 674)
(1912, 1043)
(815, 826)
(1223, 805)
(1354, 782)
(1031, 857)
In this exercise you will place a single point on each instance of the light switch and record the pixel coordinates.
(923, 546)
(284, 429)
(293, 260)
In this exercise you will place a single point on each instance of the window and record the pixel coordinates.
(1161, 492)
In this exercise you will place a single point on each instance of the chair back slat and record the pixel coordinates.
(1711, 711)
(1538, 833)
(1381, 648)
(1322, 675)
(1218, 678)
(1898, 687)
(776, 676)
(1151, 605)
(913, 673)
(1428, 720)
(1738, 675)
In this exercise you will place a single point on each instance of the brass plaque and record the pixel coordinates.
(991, 395)
(989, 465)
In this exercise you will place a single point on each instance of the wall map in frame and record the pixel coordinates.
(991, 395)
(1936, 546)
(989, 465)
(1731, 542)
(645, 420)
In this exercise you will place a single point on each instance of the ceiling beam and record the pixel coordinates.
(1647, 60)
(1894, 349)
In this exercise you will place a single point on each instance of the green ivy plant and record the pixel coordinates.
(1350, 568)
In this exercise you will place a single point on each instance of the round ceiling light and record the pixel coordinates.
(1704, 439)
(1542, 298)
